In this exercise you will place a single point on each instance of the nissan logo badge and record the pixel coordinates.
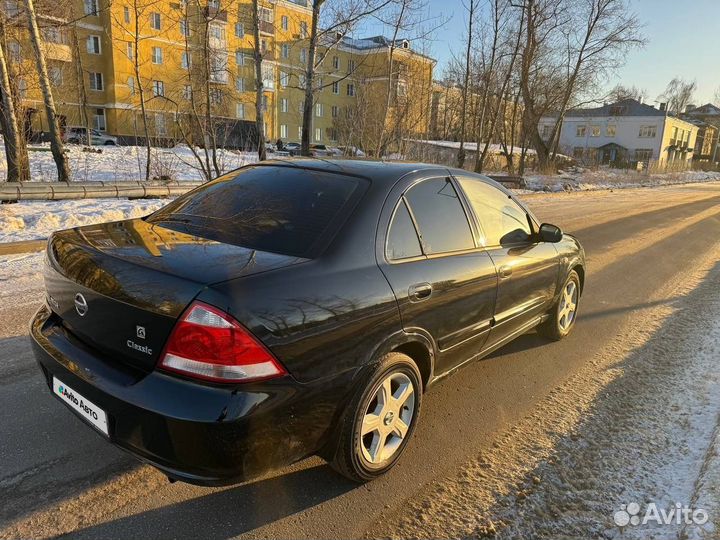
(81, 305)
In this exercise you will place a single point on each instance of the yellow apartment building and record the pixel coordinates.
(191, 64)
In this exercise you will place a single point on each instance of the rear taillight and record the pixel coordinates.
(209, 344)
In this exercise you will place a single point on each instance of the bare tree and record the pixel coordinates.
(258, 54)
(621, 92)
(466, 79)
(18, 167)
(56, 144)
(679, 94)
(569, 46)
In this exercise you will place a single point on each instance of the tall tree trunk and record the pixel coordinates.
(56, 144)
(80, 81)
(138, 12)
(466, 80)
(18, 166)
(309, 80)
(259, 113)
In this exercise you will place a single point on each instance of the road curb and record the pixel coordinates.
(22, 246)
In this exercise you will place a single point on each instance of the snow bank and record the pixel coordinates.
(115, 163)
(37, 219)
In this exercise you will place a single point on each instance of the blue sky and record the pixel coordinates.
(682, 40)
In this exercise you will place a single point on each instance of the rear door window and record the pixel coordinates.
(441, 220)
(277, 209)
(403, 241)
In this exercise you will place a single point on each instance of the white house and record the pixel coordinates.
(624, 132)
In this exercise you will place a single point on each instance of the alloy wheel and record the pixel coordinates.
(568, 306)
(387, 418)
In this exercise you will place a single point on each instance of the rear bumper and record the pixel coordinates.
(198, 433)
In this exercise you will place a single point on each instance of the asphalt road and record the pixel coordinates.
(57, 476)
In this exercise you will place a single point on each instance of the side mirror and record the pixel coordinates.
(550, 233)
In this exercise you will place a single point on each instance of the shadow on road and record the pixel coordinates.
(232, 511)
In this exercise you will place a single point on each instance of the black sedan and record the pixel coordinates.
(294, 308)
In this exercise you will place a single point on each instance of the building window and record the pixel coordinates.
(217, 32)
(126, 14)
(319, 110)
(580, 131)
(91, 7)
(303, 30)
(96, 81)
(155, 22)
(336, 87)
(240, 110)
(187, 92)
(22, 88)
(285, 25)
(93, 44)
(350, 89)
(157, 55)
(648, 132)
(300, 132)
(131, 85)
(334, 111)
(318, 134)
(160, 127)
(239, 29)
(285, 50)
(332, 134)
(56, 76)
(336, 62)
(184, 28)
(99, 120)
(594, 131)
(546, 131)
(401, 89)
(14, 51)
(303, 56)
(158, 88)
(283, 131)
(129, 51)
(284, 79)
(240, 84)
(611, 130)
(240, 58)
(185, 60)
(351, 66)
(284, 105)
(216, 96)
(53, 34)
(643, 154)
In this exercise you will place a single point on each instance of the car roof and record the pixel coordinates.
(368, 168)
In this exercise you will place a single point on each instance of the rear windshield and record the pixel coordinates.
(277, 209)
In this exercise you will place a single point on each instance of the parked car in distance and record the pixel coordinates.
(293, 308)
(319, 150)
(78, 135)
(293, 148)
(334, 151)
(351, 151)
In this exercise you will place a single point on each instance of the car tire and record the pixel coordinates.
(562, 318)
(361, 457)
(109, 143)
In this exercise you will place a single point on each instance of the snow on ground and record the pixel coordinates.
(27, 220)
(118, 163)
(579, 179)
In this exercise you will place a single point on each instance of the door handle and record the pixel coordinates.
(505, 271)
(419, 291)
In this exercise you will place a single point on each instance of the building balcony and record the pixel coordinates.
(220, 77)
(267, 28)
(57, 51)
(215, 14)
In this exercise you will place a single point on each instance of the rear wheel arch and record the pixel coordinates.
(421, 355)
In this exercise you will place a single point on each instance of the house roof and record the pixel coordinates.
(626, 107)
(707, 109)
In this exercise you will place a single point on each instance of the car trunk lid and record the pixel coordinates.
(120, 287)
